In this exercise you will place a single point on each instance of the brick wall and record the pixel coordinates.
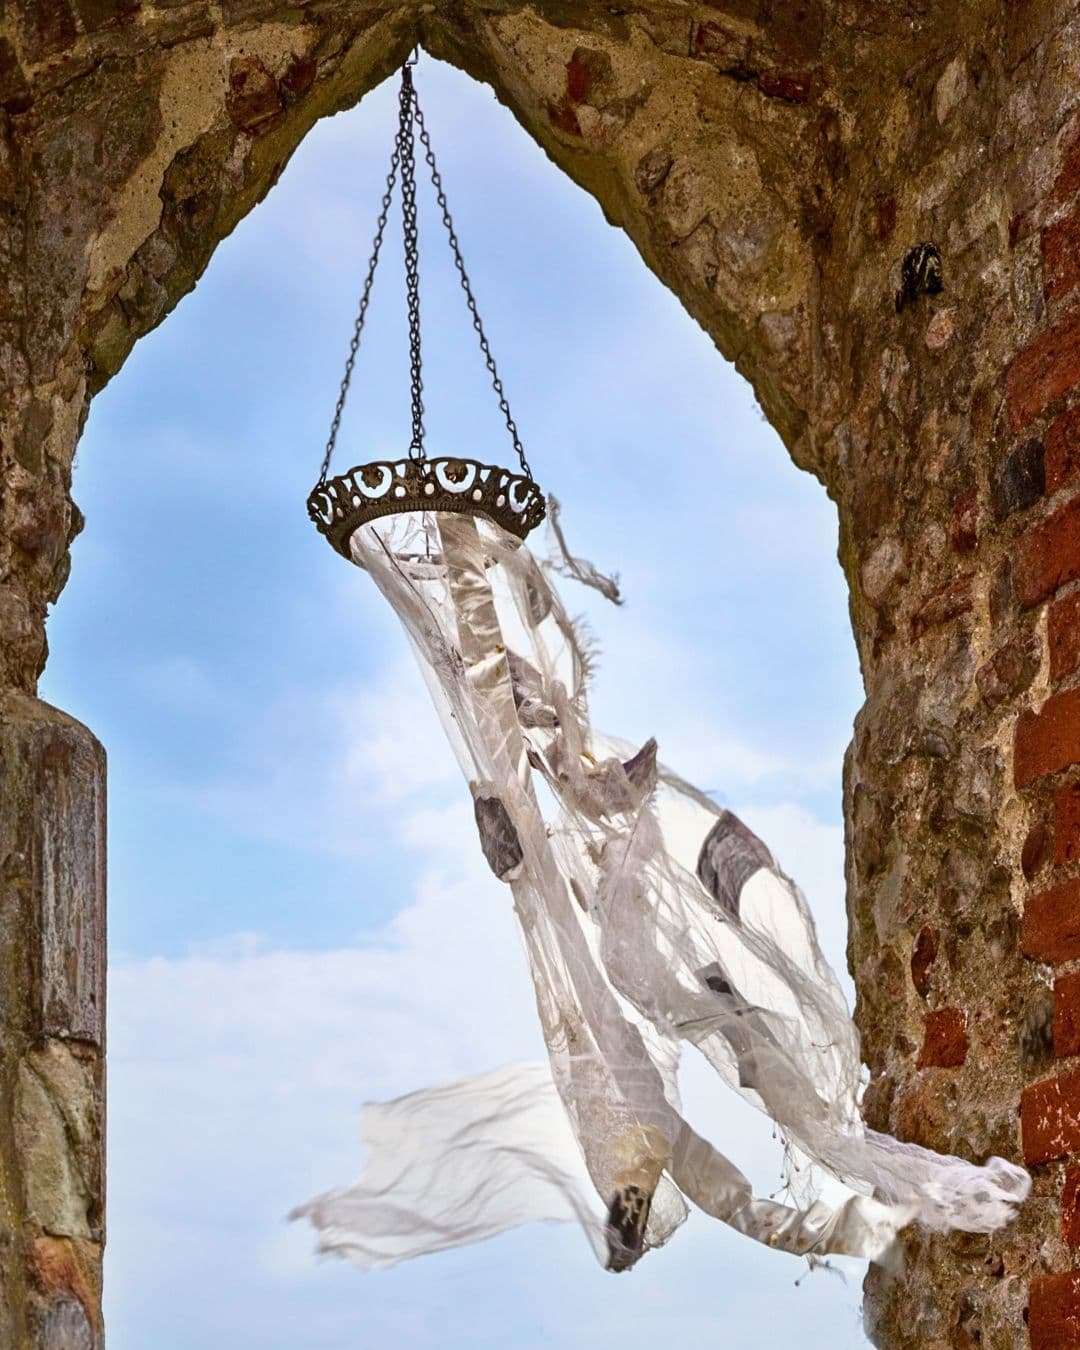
(1043, 393)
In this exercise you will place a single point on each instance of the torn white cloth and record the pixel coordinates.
(651, 917)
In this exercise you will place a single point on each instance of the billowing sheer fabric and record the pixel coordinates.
(652, 918)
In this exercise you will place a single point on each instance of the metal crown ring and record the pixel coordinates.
(339, 506)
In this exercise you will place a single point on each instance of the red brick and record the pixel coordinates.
(1054, 1312)
(945, 1040)
(1050, 928)
(564, 118)
(792, 87)
(1062, 462)
(588, 72)
(1063, 634)
(300, 75)
(1047, 368)
(1067, 183)
(1047, 740)
(1067, 824)
(1061, 256)
(1067, 1016)
(1050, 1118)
(1070, 1207)
(1049, 555)
(253, 100)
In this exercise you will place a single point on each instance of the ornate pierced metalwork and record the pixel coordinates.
(387, 487)
(338, 506)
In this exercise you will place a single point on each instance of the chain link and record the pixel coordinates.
(410, 232)
(358, 328)
(404, 160)
(459, 263)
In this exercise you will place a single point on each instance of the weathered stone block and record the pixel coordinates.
(1020, 479)
(1008, 672)
(62, 1324)
(52, 815)
(923, 955)
(949, 603)
(1035, 852)
(58, 1121)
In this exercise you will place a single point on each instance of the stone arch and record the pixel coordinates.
(774, 164)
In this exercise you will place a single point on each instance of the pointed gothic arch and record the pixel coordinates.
(775, 165)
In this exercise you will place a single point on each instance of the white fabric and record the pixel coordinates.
(651, 917)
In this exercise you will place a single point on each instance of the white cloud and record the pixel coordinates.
(812, 854)
(237, 1077)
(334, 774)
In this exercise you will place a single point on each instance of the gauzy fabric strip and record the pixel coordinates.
(651, 918)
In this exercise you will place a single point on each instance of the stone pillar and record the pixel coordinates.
(52, 1005)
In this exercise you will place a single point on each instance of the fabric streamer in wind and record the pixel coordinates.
(651, 917)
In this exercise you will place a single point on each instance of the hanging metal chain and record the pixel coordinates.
(403, 160)
(407, 148)
(365, 297)
(459, 263)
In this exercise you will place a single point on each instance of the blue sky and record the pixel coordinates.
(299, 918)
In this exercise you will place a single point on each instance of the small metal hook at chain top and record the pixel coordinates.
(403, 160)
